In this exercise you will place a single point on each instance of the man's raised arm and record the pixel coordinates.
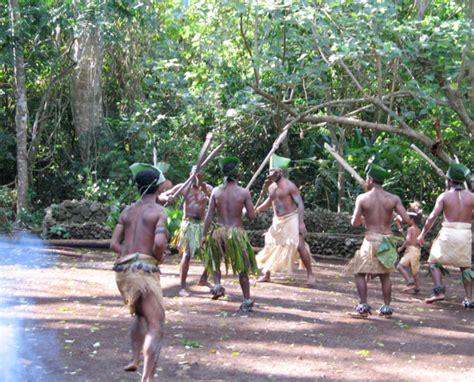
(167, 196)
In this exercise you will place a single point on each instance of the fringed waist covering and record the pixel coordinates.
(189, 236)
(232, 245)
(137, 275)
(452, 246)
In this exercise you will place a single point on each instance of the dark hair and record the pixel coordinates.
(379, 182)
(415, 215)
(230, 168)
(147, 181)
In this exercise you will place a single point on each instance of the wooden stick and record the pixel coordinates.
(429, 160)
(203, 151)
(210, 157)
(344, 164)
(275, 146)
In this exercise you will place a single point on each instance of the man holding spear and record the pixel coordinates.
(452, 246)
(285, 238)
(190, 235)
(227, 239)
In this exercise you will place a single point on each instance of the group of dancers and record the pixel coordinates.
(140, 239)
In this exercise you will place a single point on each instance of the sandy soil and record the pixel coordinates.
(61, 319)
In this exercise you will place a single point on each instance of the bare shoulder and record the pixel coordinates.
(243, 191)
(209, 187)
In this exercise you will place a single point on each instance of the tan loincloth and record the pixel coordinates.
(365, 259)
(140, 276)
(411, 258)
(452, 246)
(281, 245)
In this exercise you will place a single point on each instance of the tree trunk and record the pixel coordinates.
(87, 106)
(21, 114)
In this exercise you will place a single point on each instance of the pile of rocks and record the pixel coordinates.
(76, 219)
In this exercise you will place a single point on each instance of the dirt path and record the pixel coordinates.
(64, 321)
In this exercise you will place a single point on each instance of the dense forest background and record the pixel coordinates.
(88, 87)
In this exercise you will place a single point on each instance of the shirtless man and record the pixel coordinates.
(285, 238)
(189, 237)
(228, 239)
(374, 209)
(452, 246)
(140, 240)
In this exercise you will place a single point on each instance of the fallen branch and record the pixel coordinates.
(429, 160)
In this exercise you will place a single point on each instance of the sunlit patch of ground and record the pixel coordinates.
(66, 322)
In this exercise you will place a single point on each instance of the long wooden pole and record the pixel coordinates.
(429, 160)
(344, 164)
(275, 146)
(210, 157)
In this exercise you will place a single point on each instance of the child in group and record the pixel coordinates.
(411, 258)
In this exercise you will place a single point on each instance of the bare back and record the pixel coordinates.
(229, 201)
(457, 206)
(139, 223)
(412, 233)
(281, 196)
(376, 207)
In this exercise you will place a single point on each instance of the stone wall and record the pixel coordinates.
(329, 233)
(76, 219)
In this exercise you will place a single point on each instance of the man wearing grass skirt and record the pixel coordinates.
(140, 239)
(189, 237)
(453, 245)
(377, 255)
(284, 241)
(227, 239)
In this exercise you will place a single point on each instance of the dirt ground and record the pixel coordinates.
(62, 319)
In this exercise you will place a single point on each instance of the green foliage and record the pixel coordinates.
(60, 232)
(174, 70)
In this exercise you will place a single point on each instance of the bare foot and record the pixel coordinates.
(409, 287)
(132, 366)
(358, 315)
(311, 279)
(184, 293)
(435, 297)
(264, 279)
(204, 283)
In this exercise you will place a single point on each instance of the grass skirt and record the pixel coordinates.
(189, 236)
(232, 245)
(135, 282)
